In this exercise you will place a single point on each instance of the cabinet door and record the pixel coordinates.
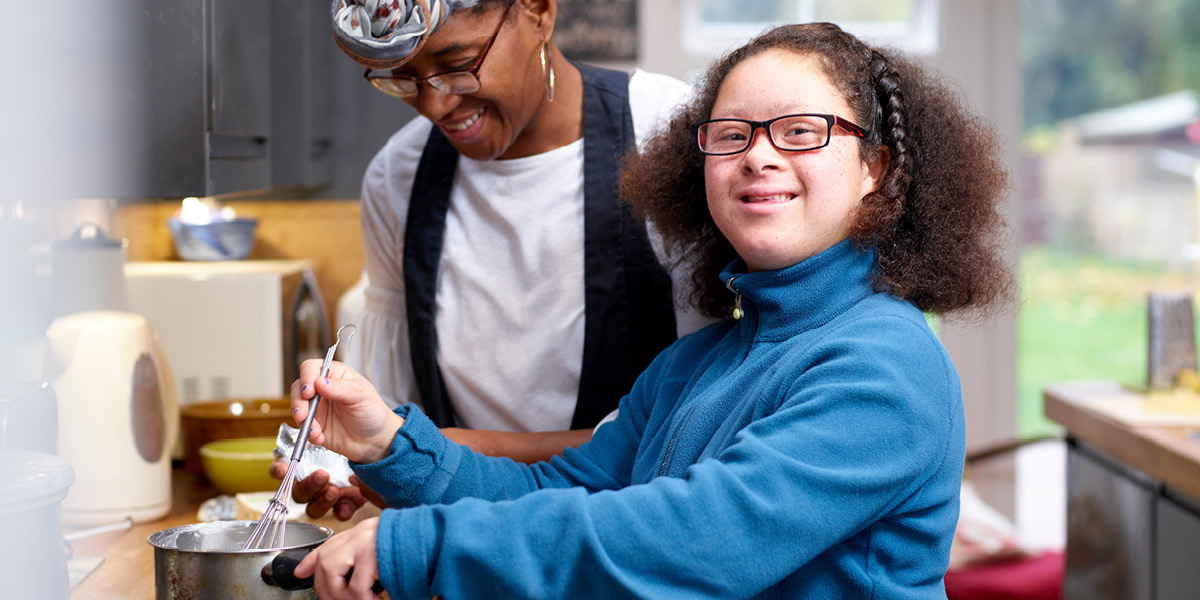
(1110, 520)
(301, 94)
(239, 91)
(240, 68)
(361, 118)
(1176, 551)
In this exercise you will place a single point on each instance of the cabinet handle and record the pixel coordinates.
(236, 146)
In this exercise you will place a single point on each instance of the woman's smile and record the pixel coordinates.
(465, 123)
(462, 127)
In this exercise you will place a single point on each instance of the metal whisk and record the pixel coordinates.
(268, 533)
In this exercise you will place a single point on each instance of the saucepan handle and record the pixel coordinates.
(281, 572)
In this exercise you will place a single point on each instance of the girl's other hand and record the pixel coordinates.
(351, 419)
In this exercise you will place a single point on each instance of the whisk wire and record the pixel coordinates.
(268, 534)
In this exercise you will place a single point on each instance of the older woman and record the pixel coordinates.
(509, 289)
(492, 223)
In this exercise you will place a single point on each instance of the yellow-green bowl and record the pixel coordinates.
(239, 465)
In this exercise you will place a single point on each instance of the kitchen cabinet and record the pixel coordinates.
(1128, 537)
(175, 98)
(1176, 548)
(232, 131)
(363, 119)
(302, 94)
(1133, 495)
(145, 98)
(1110, 525)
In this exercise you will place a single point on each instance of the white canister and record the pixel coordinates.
(33, 559)
(87, 272)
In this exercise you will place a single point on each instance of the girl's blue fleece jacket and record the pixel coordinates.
(812, 449)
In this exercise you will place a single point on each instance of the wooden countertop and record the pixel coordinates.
(128, 568)
(1166, 453)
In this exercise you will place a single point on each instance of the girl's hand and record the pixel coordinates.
(345, 566)
(351, 418)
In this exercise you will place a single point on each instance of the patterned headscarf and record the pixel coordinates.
(384, 34)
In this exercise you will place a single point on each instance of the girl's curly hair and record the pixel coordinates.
(934, 220)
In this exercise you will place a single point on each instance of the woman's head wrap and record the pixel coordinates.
(384, 34)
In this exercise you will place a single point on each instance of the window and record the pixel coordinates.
(1111, 185)
(712, 26)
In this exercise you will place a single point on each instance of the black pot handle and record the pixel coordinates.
(281, 572)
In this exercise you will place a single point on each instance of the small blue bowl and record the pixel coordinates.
(231, 239)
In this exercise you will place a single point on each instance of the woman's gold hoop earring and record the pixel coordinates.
(548, 71)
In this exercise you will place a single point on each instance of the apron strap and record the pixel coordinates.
(629, 314)
(423, 237)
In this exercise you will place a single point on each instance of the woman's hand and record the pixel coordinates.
(345, 566)
(351, 418)
(319, 496)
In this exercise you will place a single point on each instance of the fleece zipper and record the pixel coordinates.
(737, 314)
(674, 434)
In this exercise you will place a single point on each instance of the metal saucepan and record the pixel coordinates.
(205, 561)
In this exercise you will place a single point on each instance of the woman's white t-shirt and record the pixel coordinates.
(510, 289)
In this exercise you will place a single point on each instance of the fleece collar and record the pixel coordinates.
(784, 302)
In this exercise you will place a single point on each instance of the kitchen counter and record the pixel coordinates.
(1155, 446)
(1133, 494)
(128, 568)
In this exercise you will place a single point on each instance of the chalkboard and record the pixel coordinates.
(597, 29)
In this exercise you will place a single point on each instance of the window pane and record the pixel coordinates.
(872, 11)
(1109, 185)
(747, 11)
(714, 24)
(775, 11)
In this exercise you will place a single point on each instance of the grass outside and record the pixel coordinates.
(1081, 318)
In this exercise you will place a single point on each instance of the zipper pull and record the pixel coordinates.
(737, 299)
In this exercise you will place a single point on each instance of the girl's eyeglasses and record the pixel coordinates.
(790, 133)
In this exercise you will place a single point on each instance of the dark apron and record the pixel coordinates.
(628, 314)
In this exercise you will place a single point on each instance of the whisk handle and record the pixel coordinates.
(302, 437)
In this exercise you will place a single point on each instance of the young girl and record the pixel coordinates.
(808, 446)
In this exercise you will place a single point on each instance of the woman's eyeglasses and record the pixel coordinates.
(460, 81)
(790, 133)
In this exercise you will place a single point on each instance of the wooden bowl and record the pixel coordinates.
(203, 422)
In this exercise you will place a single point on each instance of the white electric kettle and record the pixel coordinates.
(118, 415)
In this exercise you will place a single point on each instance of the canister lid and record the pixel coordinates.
(32, 479)
(89, 236)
